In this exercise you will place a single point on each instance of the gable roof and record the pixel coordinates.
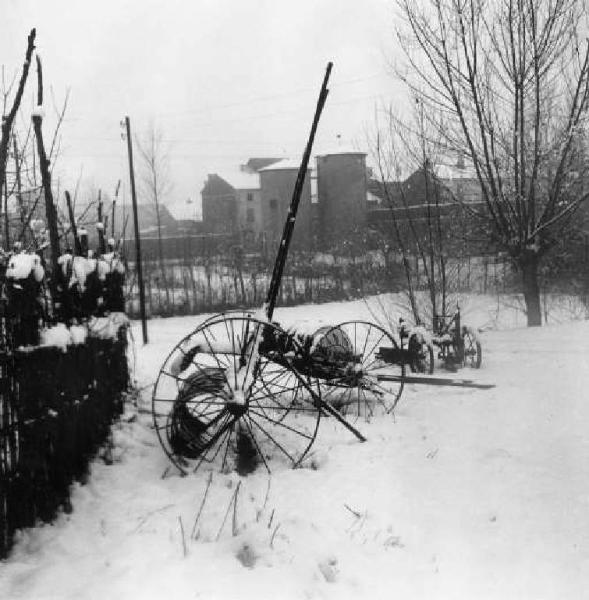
(242, 180)
(286, 164)
(255, 164)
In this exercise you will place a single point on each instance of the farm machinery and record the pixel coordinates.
(241, 391)
(457, 345)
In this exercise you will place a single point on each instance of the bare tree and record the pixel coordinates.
(9, 116)
(423, 219)
(155, 181)
(507, 83)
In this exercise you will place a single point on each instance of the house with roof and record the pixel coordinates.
(252, 202)
(231, 202)
(277, 182)
(446, 194)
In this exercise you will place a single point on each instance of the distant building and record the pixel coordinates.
(445, 194)
(342, 195)
(277, 182)
(231, 203)
(340, 198)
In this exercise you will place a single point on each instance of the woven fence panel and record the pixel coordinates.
(56, 411)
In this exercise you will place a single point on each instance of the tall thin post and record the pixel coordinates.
(100, 225)
(138, 261)
(294, 204)
(18, 183)
(50, 212)
(113, 210)
(6, 221)
(73, 226)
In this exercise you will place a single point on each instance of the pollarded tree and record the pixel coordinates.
(507, 83)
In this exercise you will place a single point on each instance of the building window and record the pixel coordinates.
(250, 215)
(250, 197)
(273, 203)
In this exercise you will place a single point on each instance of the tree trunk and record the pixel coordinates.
(528, 264)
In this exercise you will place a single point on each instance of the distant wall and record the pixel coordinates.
(276, 194)
(341, 186)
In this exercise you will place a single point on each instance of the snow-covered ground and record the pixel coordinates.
(461, 494)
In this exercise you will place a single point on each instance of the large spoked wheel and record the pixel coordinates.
(359, 376)
(227, 397)
(473, 354)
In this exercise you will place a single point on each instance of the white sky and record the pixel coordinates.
(224, 79)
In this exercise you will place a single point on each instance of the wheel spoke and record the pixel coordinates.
(196, 420)
(255, 441)
(281, 424)
(272, 439)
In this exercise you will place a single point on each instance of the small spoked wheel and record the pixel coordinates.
(228, 397)
(360, 376)
(473, 354)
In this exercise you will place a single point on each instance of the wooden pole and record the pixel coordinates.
(74, 227)
(294, 204)
(100, 226)
(8, 119)
(50, 212)
(137, 236)
(113, 209)
(6, 222)
(18, 183)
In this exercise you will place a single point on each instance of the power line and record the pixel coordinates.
(237, 104)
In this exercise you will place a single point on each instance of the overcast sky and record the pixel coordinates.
(223, 79)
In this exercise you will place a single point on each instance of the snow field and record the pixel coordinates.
(461, 494)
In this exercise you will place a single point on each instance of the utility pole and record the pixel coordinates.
(138, 261)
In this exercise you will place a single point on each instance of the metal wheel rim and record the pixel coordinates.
(359, 400)
(279, 420)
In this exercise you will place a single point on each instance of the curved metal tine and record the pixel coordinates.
(266, 384)
(255, 398)
(218, 408)
(277, 375)
(217, 437)
(172, 400)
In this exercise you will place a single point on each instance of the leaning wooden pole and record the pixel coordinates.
(50, 212)
(294, 204)
(8, 119)
(138, 261)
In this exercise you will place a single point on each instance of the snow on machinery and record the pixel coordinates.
(240, 390)
(458, 345)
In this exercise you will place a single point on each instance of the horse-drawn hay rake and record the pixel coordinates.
(242, 389)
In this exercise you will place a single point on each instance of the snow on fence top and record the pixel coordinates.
(60, 336)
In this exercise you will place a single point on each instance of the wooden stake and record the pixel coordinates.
(50, 212)
(70, 209)
(138, 261)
